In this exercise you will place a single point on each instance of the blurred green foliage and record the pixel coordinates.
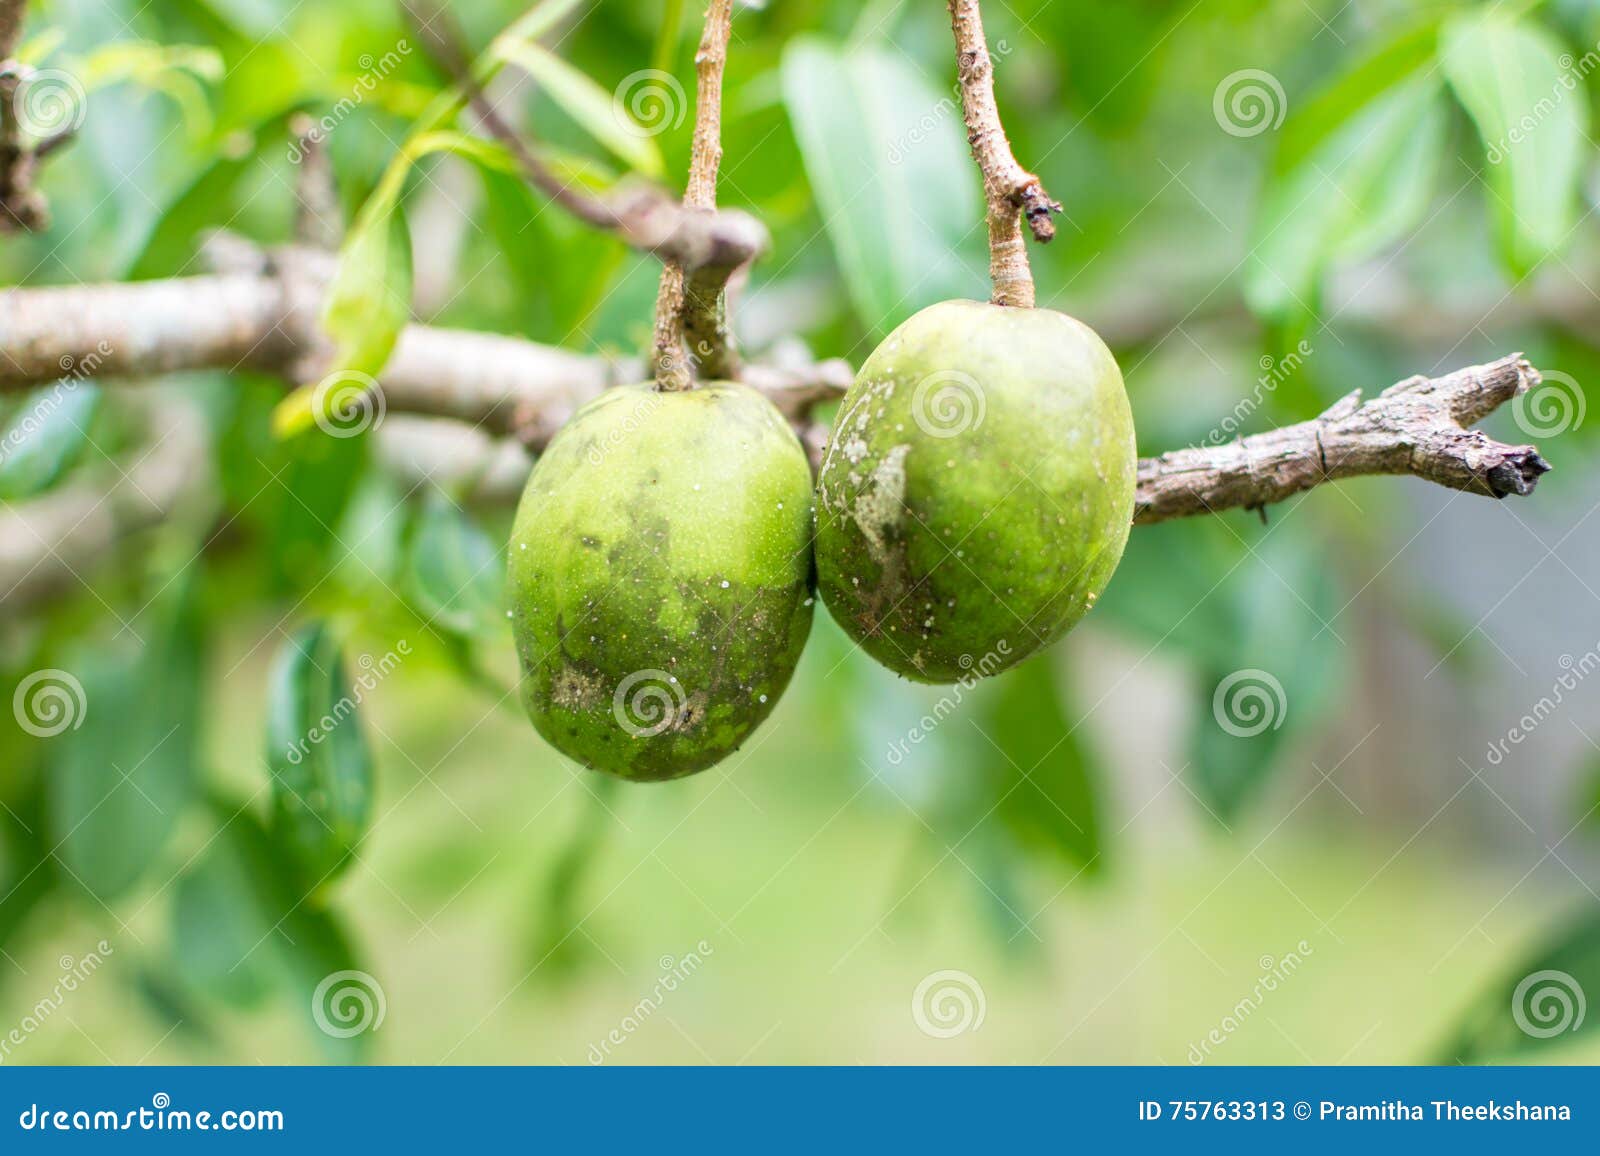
(1396, 132)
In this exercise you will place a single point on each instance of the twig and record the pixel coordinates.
(1010, 191)
(691, 306)
(319, 220)
(11, 16)
(22, 207)
(1418, 426)
(642, 217)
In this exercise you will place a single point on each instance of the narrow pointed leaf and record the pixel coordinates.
(322, 776)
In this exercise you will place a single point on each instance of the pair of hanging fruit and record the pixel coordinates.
(974, 500)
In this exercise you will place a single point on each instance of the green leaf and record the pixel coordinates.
(28, 873)
(265, 937)
(1247, 608)
(125, 769)
(539, 19)
(1539, 1004)
(372, 533)
(884, 152)
(1390, 66)
(206, 201)
(1533, 117)
(1109, 55)
(180, 71)
(368, 305)
(1362, 186)
(322, 777)
(292, 493)
(1035, 766)
(1279, 678)
(222, 930)
(600, 113)
(46, 435)
(342, 1004)
(370, 299)
(369, 302)
(456, 572)
(555, 954)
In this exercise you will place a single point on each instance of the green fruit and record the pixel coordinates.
(660, 577)
(977, 490)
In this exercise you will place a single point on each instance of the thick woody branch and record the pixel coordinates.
(264, 314)
(1415, 427)
(691, 305)
(1011, 192)
(643, 217)
(516, 388)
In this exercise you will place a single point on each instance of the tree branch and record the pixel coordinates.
(1417, 426)
(1010, 191)
(318, 217)
(509, 387)
(264, 313)
(22, 207)
(691, 305)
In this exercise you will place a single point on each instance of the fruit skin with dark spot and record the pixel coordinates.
(977, 490)
(661, 577)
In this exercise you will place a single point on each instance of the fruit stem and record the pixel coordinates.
(1010, 191)
(693, 306)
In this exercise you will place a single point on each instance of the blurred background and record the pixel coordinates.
(1317, 786)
